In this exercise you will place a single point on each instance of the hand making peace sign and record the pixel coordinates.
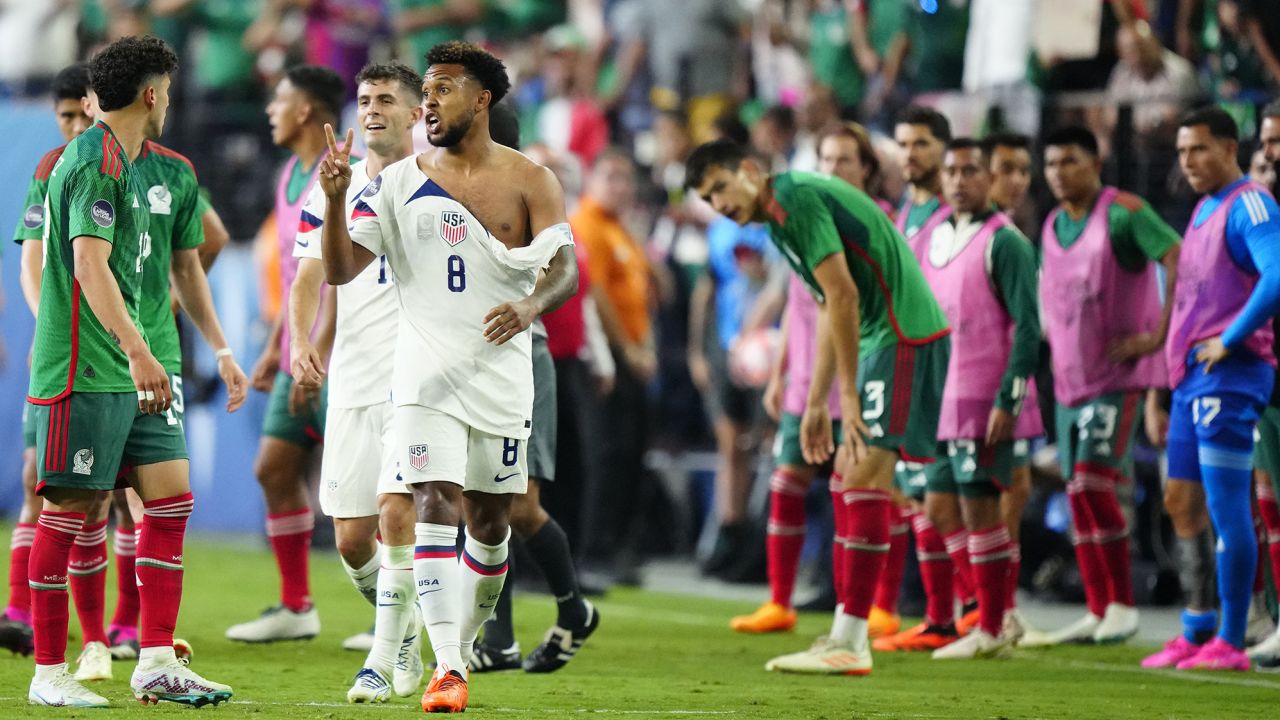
(335, 168)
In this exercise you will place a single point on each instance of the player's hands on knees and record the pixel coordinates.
(999, 426)
(264, 371)
(508, 320)
(151, 381)
(303, 399)
(816, 443)
(234, 378)
(856, 432)
(335, 168)
(307, 368)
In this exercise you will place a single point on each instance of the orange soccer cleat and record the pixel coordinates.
(446, 693)
(921, 637)
(882, 623)
(968, 621)
(769, 617)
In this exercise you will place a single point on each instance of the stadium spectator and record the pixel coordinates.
(840, 51)
(1242, 62)
(617, 265)
(928, 52)
(693, 54)
(1156, 82)
(420, 25)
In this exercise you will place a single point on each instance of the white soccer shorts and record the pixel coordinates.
(359, 460)
(432, 446)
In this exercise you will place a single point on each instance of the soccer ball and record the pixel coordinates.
(752, 356)
(182, 649)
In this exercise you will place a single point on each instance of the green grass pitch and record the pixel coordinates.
(655, 656)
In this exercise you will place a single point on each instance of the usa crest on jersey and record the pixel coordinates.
(453, 227)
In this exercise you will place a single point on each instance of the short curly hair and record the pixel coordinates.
(479, 63)
(118, 71)
(71, 82)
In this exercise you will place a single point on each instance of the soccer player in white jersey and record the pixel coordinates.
(358, 487)
(465, 227)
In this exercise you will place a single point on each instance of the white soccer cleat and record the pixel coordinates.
(1079, 631)
(360, 642)
(824, 658)
(1119, 623)
(369, 687)
(277, 623)
(1268, 649)
(978, 644)
(169, 680)
(407, 676)
(1015, 626)
(54, 687)
(1260, 625)
(94, 663)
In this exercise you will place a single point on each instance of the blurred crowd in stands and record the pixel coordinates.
(614, 94)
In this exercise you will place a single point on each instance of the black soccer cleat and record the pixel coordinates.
(486, 658)
(560, 645)
(16, 637)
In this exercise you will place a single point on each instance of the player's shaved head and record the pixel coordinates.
(504, 126)
(121, 70)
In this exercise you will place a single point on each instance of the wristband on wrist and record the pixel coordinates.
(224, 352)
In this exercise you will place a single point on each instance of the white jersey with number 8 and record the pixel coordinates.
(449, 273)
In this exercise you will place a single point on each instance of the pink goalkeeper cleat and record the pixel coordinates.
(1174, 652)
(1217, 654)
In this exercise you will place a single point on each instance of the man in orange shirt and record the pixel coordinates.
(621, 289)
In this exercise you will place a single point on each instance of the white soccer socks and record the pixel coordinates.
(484, 570)
(438, 577)
(365, 577)
(395, 601)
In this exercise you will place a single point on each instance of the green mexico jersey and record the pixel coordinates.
(812, 217)
(93, 191)
(1137, 233)
(173, 200)
(31, 224)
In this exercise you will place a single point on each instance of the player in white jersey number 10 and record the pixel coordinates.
(467, 228)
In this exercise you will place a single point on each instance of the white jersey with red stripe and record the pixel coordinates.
(368, 314)
(450, 271)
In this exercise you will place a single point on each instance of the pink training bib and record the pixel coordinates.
(287, 217)
(802, 350)
(981, 341)
(1211, 289)
(918, 241)
(1088, 301)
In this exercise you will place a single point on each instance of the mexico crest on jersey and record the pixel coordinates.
(453, 227)
(418, 457)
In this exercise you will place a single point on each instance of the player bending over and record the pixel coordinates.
(879, 328)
